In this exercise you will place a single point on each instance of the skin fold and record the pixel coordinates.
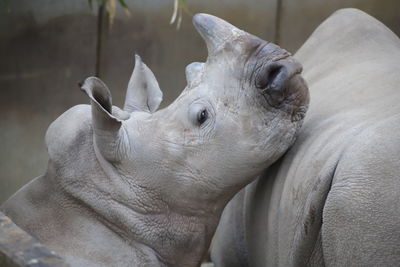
(144, 187)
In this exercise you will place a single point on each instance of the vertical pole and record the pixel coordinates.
(278, 15)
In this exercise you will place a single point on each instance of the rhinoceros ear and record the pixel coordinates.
(274, 79)
(106, 127)
(143, 91)
(101, 102)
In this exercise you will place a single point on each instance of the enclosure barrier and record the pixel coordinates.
(18, 248)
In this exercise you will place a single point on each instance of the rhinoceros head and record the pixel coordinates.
(240, 111)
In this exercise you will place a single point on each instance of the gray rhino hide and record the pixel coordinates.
(141, 187)
(333, 199)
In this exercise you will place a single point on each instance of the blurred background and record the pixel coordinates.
(47, 46)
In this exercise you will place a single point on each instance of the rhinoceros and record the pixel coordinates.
(141, 187)
(334, 198)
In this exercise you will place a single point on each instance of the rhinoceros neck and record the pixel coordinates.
(140, 214)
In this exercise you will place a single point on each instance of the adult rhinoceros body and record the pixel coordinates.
(334, 198)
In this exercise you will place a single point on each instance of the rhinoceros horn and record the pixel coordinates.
(215, 31)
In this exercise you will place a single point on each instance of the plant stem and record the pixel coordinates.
(99, 40)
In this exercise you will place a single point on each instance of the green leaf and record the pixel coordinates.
(122, 2)
(90, 4)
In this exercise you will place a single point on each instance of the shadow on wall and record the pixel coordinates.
(47, 46)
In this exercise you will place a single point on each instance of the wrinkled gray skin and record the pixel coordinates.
(333, 199)
(140, 187)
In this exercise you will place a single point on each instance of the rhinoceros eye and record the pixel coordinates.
(201, 113)
(202, 116)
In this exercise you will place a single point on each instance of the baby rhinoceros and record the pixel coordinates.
(140, 187)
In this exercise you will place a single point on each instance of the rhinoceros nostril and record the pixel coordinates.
(266, 81)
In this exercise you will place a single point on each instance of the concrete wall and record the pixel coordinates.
(47, 46)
